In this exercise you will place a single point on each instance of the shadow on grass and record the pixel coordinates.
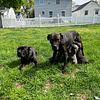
(30, 69)
(91, 61)
(14, 63)
(33, 69)
(42, 65)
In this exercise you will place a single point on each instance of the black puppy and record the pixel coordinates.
(27, 55)
(61, 44)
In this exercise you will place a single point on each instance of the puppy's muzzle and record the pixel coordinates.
(55, 47)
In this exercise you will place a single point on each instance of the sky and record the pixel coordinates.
(80, 1)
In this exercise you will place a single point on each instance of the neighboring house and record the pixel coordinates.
(88, 9)
(53, 8)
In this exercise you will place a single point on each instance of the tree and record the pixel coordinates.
(11, 3)
(28, 8)
(16, 4)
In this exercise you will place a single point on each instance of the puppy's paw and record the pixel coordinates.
(63, 71)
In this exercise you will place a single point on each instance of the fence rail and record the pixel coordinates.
(49, 22)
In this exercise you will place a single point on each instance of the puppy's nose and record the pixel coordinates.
(55, 47)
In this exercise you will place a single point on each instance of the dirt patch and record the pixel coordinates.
(73, 74)
(82, 97)
(18, 85)
(47, 86)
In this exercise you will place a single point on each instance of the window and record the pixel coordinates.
(41, 1)
(96, 11)
(63, 13)
(43, 13)
(86, 12)
(50, 13)
(57, 1)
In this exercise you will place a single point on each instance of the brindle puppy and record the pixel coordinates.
(27, 55)
(61, 43)
(72, 57)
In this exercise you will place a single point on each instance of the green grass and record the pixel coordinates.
(46, 82)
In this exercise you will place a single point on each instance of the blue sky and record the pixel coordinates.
(80, 1)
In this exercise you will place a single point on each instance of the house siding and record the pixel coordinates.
(91, 7)
(50, 5)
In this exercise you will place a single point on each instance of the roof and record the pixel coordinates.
(83, 5)
(75, 7)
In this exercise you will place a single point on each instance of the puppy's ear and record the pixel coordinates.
(61, 35)
(49, 36)
(19, 47)
(29, 48)
(36, 52)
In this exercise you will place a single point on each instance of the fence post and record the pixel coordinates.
(58, 19)
(76, 20)
(1, 22)
(94, 19)
(40, 20)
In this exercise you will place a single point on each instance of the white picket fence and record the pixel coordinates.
(49, 22)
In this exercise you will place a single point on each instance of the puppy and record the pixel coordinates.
(27, 55)
(72, 53)
(75, 55)
(61, 45)
(81, 58)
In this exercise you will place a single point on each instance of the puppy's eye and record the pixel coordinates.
(51, 40)
(56, 39)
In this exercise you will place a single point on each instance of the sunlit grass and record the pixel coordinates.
(46, 82)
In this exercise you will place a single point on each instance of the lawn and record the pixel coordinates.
(46, 82)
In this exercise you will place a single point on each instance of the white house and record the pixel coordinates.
(88, 9)
(7, 13)
(53, 8)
